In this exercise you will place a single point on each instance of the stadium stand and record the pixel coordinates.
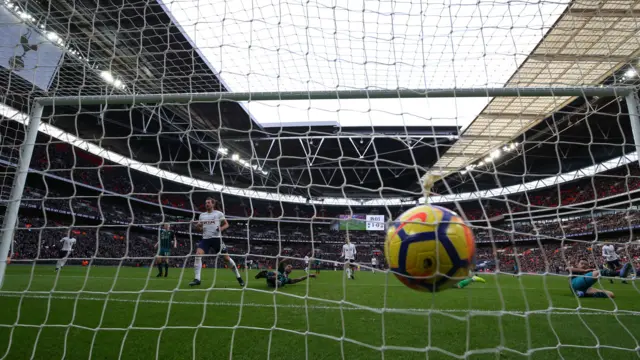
(152, 207)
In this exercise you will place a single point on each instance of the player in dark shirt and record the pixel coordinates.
(166, 239)
(281, 277)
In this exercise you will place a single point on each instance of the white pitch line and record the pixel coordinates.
(345, 307)
(349, 284)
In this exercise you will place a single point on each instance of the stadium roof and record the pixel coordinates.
(324, 45)
(142, 47)
(590, 42)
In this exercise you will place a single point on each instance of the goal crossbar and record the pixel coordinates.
(336, 95)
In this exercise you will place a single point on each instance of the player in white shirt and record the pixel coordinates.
(306, 263)
(65, 251)
(613, 262)
(349, 255)
(610, 256)
(212, 223)
(374, 264)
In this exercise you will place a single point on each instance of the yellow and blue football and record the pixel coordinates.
(429, 248)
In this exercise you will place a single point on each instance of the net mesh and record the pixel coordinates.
(544, 182)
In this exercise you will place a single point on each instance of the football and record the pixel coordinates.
(428, 248)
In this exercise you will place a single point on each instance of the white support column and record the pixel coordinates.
(13, 206)
(634, 118)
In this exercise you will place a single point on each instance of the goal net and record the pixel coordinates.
(182, 179)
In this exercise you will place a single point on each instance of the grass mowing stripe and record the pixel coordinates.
(314, 283)
(556, 311)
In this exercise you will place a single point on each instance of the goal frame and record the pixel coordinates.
(37, 108)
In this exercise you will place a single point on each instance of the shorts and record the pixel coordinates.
(62, 254)
(164, 252)
(583, 282)
(614, 265)
(214, 244)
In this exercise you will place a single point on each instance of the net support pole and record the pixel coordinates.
(634, 118)
(13, 206)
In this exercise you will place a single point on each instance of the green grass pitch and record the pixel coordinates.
(90, 313)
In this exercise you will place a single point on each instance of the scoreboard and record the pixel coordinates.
(360, 222)
(375, 223)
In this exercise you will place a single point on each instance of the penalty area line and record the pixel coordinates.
(474, 312)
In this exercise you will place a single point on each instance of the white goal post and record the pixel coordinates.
(38, 105)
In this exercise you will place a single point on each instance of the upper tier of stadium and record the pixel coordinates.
(74, 181)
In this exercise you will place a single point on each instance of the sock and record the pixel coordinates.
(166, 268)
(348, 272)
(59, 264)
(234, 268)
(159, 265)
(197, 266)
(465, 282)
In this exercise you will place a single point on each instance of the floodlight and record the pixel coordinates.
(107, 76)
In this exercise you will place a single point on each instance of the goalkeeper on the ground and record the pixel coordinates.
(281, 277)
(583, 277)
(463, 283)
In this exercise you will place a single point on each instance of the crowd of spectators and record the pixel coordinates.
(130, 206)
(39, 240)
(62, 160)
(619, 181)
(555, 257)
(113, 210)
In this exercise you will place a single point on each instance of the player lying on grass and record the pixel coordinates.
(582, 279)
(165, 241)
(463, 283)
(281, 277)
